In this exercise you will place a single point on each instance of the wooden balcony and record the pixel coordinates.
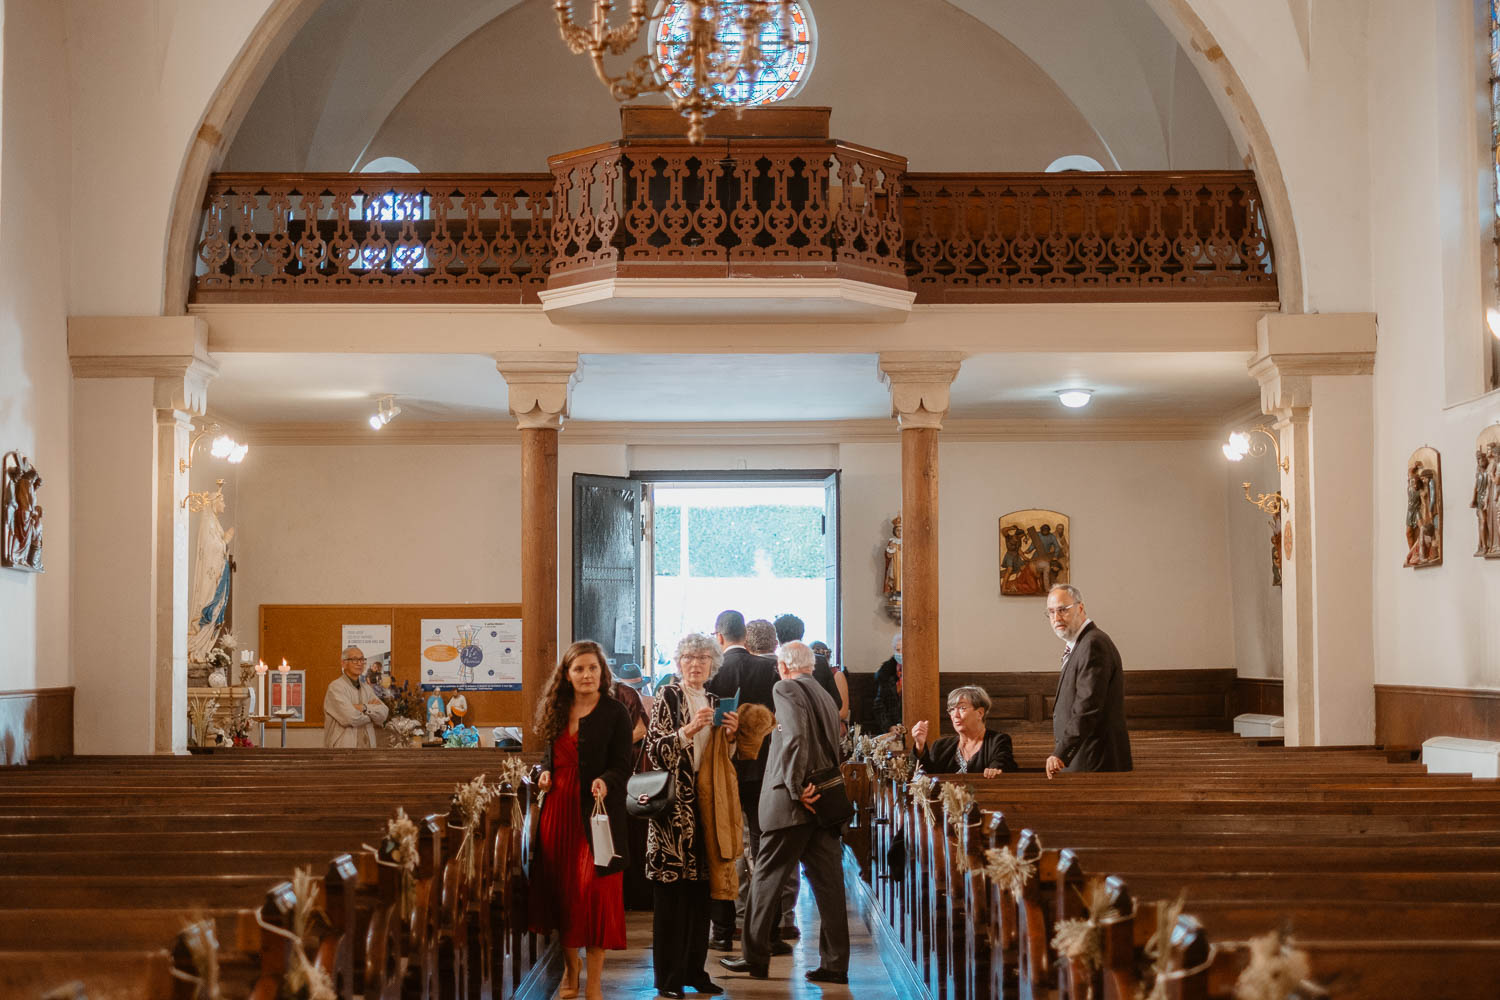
(747, 206)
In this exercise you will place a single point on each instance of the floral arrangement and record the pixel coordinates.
(461, 736)
(406, 711)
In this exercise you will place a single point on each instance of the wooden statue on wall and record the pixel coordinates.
(1276, 548)
(891, 582)
(1035, 552)
(21, 533)
(1486, 497)
(1424, 509)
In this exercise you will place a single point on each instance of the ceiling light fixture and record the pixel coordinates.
(725, 45)
(386, 410)
(1074, 398)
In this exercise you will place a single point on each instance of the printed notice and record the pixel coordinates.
(468, 654)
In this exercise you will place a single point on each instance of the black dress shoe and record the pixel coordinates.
(780, 948)
(740, 965)
(674, 994)
(822, 975)
(721, 944)
(707, 987)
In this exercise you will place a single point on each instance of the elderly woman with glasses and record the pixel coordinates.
(973, 748)
(680, 740)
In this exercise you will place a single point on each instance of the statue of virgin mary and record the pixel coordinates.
(208, 588)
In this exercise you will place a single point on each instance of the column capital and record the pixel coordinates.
(920, 382)
(1292, 350)
(539, 384)
(172, 350)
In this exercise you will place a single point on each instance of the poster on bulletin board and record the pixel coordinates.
(374, 641)
(287, 691)
(469, 654)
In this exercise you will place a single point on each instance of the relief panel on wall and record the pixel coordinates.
(1035, 552)
(1424, 509)
(1485, 499)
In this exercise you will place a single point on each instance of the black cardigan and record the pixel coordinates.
(941, 756)
(603, 752)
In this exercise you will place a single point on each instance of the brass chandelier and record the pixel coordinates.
(699, 74)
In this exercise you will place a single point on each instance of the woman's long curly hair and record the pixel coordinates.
(557, 698)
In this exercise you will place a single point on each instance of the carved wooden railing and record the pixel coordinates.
(358, 237)
(735, 208)
(1106, 236)
(729, 208)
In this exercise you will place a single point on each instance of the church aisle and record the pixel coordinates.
(627, 974)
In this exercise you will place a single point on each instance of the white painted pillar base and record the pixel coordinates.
(1315, 376)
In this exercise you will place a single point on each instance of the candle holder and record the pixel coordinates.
(284, 714)
(261, 720)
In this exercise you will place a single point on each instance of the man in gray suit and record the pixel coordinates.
(805, 740)
(1088, 721)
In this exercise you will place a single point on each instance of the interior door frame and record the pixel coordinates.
(648, 478)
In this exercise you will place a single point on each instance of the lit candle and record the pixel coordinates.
(285, 672)
(260, 689)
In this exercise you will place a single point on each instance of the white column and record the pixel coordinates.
(1315, 377)
(138, 383)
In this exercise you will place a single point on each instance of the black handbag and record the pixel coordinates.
(650, 793)
(833, 808)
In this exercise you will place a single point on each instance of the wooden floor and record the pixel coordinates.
(627, 974)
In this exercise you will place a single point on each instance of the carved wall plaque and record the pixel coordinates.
(1485, 500)
(1424, 509)
(21, 533)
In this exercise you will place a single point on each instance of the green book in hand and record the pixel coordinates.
(727, 704)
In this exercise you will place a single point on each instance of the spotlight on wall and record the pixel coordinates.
(386, 410)
(1074, 398)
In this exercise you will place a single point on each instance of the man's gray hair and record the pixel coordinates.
(697, 642)
(797, 656)
(1070, 590)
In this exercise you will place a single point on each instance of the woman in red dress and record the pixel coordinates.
(587, 759)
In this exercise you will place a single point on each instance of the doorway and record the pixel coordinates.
(657, 555)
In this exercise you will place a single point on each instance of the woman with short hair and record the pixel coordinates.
(586, 734)
(677, 859)
(973, 749)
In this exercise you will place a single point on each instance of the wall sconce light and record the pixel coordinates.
(386, 410)
(1074, 398)
(223, 446)
(1241, 444)
(1492, 319)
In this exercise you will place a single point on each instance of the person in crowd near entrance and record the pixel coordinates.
(789, 628)
(752, 678)
(888, 691)
(821, 652)
(683, 844)
(806, 737)
(586, 734)
(972, 749)
(352, 709)
(1088, 722)
(624, 690)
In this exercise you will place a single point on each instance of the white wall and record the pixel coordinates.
(35, 381)
(1255, 604)
(881, 66)
(323, 524)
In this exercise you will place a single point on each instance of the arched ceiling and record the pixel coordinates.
(355, 60)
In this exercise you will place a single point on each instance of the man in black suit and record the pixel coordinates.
(1088, 722)
(752, 677)
(790, 628)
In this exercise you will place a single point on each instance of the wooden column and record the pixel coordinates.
(919, 384)
(539, 383)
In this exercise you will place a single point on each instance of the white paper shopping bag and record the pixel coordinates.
(604, 841)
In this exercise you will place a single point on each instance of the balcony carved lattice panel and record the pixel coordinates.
(728, 208)
(1105, 236)
(364, 237)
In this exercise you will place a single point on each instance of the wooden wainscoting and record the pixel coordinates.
(1407, 715)
(36, 724)
(1262, 695)
(1154, 699)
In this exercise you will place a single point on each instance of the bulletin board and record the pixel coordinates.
(309, 637)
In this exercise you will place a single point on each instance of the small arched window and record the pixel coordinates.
(1074, 161)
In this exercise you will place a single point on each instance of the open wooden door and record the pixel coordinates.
(607, 564)
(831, 564)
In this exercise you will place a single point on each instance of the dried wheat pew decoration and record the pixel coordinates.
(1078, 939)
(956, 801)
(1277, 971)
(921, 786)
(401, 834)
(1157, 946)
(472, 800)
(1008, 871)
(202, 945)
(303, 979)
(513, 773)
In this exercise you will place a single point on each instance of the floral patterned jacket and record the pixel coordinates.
(673, 851)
